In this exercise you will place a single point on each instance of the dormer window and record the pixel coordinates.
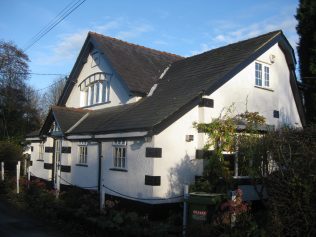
(94, 90)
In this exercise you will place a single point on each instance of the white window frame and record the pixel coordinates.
(83, 153)
(96, 93)
(258, 74)
(120, 154)
(41, 150)
(262, 75)
(266, 76)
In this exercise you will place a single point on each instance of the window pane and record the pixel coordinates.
(97, 88)
(91, 90)
(266, 76)
(258, 74)
(123, 163)
(104, 92)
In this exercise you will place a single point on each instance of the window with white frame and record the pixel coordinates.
(83, 152)
(94, 90)
(41, 151)
(266, 76)
(119, 154)
(262, 79)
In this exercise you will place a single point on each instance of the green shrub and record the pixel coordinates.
(10, 153)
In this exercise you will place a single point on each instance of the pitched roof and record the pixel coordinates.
(138, 66)
(66, 117)
(180, 89)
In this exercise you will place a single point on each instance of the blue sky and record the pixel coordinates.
(181, 27)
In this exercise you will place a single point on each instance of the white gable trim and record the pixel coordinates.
(33, 139)
(78, 122)
(118, 135)
(75, 137)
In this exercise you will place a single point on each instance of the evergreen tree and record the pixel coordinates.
(306, 28)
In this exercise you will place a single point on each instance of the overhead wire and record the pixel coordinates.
(35, 73)
(49, 24)
(54, 24)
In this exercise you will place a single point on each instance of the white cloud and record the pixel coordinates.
(160, 42)
(203, 47)
(225, 33)
(134, 30)
(68, 45)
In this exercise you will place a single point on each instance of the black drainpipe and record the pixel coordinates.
(100, 164)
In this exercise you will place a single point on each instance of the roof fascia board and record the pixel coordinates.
(57, 123)
(297, 97)
(72, 79)
(120, 135)
(79, 137)
(47, 122)
(33, 139)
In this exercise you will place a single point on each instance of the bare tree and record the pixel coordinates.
(51, 96)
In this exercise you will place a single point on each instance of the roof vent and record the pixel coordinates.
(272, 58)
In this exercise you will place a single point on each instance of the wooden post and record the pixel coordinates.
(24, 171)
(2, 171)
(233, 215)
(28, 177)
(18, 167)
(102, 198)
(185, 209)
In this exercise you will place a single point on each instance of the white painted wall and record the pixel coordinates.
(118, 93)
(37, 168)
(82, 176)
(241, 92)
(132, 182)
(178, 165)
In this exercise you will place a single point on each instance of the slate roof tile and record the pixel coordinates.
(139, 67)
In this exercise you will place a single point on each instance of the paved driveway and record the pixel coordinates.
(16, 224)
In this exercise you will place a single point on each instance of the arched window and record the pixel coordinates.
(94, 89)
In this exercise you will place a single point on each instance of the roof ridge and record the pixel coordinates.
(137, 45)
(235, 43)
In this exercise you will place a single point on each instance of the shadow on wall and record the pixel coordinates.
(285, 120)
(183, 173)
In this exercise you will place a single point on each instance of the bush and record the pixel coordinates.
(292, 185)
(10, 153)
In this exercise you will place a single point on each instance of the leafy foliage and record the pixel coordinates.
(10, 153)
(18, 109)
(224, 136)
(292, 184)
